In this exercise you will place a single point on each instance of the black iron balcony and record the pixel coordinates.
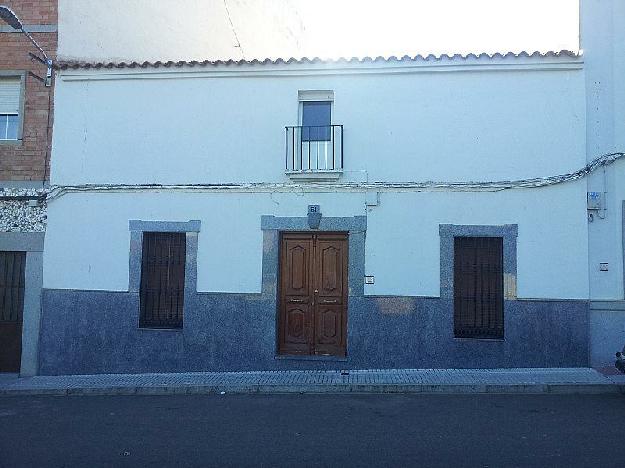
(314, 149)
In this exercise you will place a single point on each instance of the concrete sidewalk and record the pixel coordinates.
(557, 380)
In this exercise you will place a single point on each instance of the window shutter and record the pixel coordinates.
(162, 279)
(478, 287)
(10, 90)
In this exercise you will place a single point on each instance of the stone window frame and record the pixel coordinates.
(191, 229)
(21, 74)
(509, 233)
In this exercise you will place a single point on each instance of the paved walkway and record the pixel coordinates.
(559, 380)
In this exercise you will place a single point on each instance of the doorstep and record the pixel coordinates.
(530, 380)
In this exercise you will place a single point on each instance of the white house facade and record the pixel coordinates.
(603, 40)
(411, 212)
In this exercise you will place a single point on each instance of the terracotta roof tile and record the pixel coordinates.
(74, 64)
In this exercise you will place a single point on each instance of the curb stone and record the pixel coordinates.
(563, 388)
(431, 381)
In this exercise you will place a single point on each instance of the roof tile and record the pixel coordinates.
(75, 64)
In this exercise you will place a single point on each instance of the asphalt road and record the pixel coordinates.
(314, 430)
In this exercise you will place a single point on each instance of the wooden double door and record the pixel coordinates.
(313, 294)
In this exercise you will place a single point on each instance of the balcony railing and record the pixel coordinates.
(314, 149)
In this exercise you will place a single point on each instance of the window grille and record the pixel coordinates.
(12, 265)
(162, 279)
(478, 287)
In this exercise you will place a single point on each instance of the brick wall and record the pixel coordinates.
(27, 161)
(34, 11)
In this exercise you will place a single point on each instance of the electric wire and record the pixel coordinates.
(55, 191)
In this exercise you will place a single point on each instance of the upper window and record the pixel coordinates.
(10, 93)
(314, 147)
(316, 120)
(478, 287)
(162, 279)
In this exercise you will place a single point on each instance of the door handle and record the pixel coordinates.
(297, 301)
(333, 301)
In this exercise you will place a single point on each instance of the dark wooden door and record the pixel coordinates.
(313, 294)
(12, 266)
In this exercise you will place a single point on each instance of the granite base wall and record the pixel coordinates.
(607, 331)
(84, 332)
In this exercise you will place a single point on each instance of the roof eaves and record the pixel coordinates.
(75, 64)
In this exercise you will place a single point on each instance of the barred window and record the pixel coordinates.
(478, 287)
(162, 279)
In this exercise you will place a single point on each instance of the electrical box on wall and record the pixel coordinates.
(594, 201)
(372, 198)
(369, 279)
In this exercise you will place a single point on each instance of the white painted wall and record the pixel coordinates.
(403, 245)
(96, 243)
(465, 120)
(90, 251)
(226, 125)
(603, 39)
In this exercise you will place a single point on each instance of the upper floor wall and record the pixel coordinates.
(603, 41)
(445, 120)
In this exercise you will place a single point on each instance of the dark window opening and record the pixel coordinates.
(316, 120)
(478, 287)
(162, 279)
(12, 279)
(12, 283)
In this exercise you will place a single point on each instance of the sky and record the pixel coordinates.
(259, 29)
(373, 27)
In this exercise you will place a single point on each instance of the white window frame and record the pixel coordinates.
(308, 96)
(20, 124)
(316, 96)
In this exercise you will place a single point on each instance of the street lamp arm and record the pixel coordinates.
(10, 18)
(45, 56)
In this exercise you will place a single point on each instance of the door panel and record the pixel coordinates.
(297, 327)
(12, 266)
(331, 268)
(297, 266)
(329, 330)
(296, 321)
(313, 294)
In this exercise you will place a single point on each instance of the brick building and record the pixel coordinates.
(26, 108)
